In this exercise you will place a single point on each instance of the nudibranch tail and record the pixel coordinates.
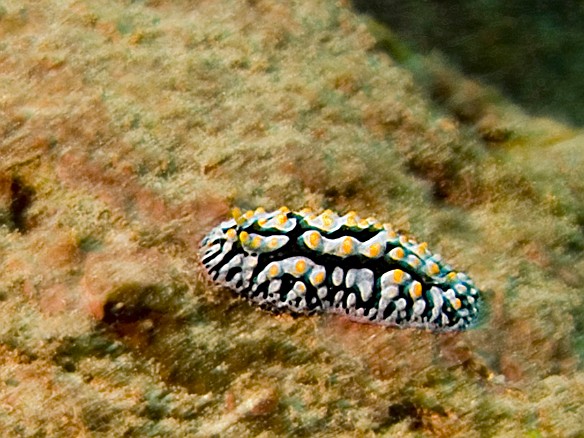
(302, 262)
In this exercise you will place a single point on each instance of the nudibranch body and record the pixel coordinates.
(301, 262)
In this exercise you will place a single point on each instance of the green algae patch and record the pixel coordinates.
(129, 130)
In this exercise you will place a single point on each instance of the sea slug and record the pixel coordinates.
(301, 262)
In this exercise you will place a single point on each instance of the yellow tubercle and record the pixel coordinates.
(398, 276)
(413, 261)
(432, 268)
(422, 248)
(456, 303)
(236, 213)
(231, 234)
(318, 278)
(281, 219)
(300, 267)
(248, 214)
(284, 209)
(374, 250)
(451, 276)
(416, 290)
(274, 270)
(256, 242)
(397, 253)
(262, 222)
(327, 219)
(300, 288)
(260, 210)
(314, 240)
(347, 246)
(273, 243)
(244, 237)
(351, 220)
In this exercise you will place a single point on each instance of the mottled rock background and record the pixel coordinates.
(127, 129)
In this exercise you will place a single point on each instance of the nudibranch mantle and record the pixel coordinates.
(302, 262)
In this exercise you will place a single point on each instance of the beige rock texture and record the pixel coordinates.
(129, 128)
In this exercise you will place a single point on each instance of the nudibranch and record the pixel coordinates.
(302, 262)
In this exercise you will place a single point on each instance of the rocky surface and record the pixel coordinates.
(128, 129)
